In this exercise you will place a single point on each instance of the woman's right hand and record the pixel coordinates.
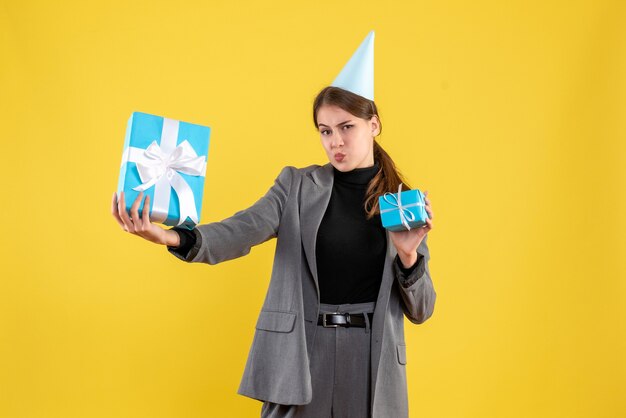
(142, 226)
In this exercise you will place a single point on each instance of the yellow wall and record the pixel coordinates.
(510, 113)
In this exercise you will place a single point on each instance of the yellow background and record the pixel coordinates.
(511, 115)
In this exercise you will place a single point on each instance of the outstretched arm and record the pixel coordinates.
(234, 236)
(214, 242)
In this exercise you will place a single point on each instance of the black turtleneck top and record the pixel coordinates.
(350, 249)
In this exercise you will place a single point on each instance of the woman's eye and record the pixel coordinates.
(347, 126)
(324, 131)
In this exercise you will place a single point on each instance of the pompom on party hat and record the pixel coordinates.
(357, 75)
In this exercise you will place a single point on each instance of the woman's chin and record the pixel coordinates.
(341, 166)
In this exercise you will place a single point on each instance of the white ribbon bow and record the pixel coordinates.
(406, 215)
(159, 165)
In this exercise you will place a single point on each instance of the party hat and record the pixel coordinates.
(357, 75)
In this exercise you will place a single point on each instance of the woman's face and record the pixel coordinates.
(347, 139)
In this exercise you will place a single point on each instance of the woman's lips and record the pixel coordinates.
(339, 157)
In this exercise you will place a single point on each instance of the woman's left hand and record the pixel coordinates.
(406, 242)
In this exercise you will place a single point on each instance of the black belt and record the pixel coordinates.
(336, 319)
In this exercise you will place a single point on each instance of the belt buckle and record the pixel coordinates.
(324, 320)
(347, 316)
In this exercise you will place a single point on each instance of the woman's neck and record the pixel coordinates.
(357, 176)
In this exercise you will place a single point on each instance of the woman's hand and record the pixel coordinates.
(406, 242)
(141, 225)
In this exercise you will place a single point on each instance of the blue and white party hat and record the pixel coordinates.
(357, 75)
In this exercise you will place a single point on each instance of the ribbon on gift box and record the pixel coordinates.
(159, 165)
(406, 215)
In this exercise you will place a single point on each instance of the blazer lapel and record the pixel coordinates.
(315, 195)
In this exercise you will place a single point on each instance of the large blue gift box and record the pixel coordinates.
(403, 211)
(166, 159)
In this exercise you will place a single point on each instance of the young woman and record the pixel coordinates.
(329, 340)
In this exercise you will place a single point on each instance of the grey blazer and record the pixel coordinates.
(277, 368)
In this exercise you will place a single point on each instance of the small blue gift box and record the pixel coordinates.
(403, 211)
(166, 159)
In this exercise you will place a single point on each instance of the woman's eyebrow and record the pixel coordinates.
(339, 124)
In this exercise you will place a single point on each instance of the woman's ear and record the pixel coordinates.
(374, 125)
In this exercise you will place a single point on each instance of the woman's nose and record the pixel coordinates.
(337, 141)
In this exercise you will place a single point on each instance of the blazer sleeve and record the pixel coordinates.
(416, 288)
(234, 236)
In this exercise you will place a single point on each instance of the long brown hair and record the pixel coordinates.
(388, 178)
